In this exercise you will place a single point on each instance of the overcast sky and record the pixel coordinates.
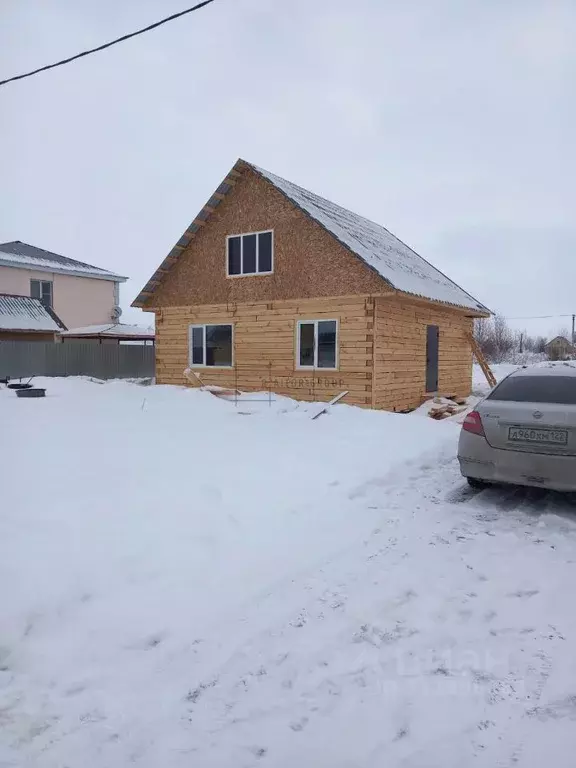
(450, 122)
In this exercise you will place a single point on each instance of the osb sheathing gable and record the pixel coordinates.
(308, 262)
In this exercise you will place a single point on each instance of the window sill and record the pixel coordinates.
(315, 369)
(251, 274)
(211, 367)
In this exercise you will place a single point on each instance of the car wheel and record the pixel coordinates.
(474, 482)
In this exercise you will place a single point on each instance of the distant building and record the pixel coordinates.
(559, 348)
(79, 293)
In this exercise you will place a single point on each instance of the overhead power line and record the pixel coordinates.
(109, 44)
(536, 317)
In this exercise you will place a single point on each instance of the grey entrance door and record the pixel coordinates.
(432, 336)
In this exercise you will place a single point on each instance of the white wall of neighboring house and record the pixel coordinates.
(78, 301)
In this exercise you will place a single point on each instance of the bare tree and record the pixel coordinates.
(483, 332)
(540, 344)
(499, 343)
(503, 338)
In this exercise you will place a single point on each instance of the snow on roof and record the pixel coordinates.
(402, 267)
(548, 368)
(111, 330)
(22, 313)
(559, 338)
(18, 254)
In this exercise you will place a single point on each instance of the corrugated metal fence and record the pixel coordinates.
(104, 361)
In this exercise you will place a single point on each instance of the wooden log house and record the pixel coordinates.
(274, 286)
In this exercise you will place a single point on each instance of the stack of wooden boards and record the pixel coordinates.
(444, 407)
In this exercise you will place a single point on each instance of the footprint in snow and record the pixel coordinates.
(193, 695)
(299, 725)
(525, 593)
(258, 752)
(557, 710)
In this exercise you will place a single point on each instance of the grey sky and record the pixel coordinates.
(451, 123)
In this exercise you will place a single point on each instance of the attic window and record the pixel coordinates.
(250, 254)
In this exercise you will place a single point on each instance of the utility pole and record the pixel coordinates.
(573, 329)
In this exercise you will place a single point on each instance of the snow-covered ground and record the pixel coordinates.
(189, 582)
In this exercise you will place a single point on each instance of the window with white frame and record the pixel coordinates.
(317, 344)
(210, 346)
(250, 254)
(42, 289)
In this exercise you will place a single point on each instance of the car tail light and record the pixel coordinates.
(473, 423)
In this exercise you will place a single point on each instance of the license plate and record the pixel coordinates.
(531, 435)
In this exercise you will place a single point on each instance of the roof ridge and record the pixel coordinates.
(51, 253)
(23, 253)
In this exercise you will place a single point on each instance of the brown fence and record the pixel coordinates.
(104, 361)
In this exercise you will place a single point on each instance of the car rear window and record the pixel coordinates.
(560, 390)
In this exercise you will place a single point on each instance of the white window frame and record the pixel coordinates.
(315, 322)
(242, 235)
(203, 364)
(41, 282)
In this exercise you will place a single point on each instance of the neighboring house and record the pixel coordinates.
(79, 293)
(111, 333)
(25, 319)
(559, 348)
(271, 285)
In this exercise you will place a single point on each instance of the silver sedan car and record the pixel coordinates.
(524, 432)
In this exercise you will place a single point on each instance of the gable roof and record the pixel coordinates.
(401, 267)
(563, 339)
(23, 313)
(24, 256)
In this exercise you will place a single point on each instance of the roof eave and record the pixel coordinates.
(113, 337)
(29, 330)
(62, 271)
(479, 312)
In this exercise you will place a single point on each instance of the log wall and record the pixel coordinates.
(265, 347)
(400, 352)
(381, 348)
